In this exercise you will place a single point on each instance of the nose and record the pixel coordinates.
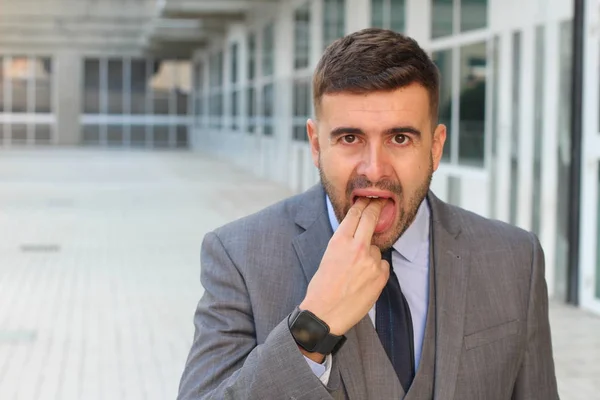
(375, 163)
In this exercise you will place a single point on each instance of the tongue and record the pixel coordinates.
(386, 218)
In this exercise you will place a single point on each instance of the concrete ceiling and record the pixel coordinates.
(165, 28)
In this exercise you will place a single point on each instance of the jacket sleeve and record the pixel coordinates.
(536, 378)
(225, 361)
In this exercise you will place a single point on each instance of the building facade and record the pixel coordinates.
(233, 78)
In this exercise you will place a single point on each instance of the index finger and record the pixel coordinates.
(350, 222)
(368, 221)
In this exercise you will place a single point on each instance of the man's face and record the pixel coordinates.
(377, 144)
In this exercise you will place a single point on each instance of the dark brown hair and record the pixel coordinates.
(373, 60)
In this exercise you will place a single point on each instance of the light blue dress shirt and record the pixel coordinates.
(410, 260)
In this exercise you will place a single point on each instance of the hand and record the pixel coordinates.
(352, 274)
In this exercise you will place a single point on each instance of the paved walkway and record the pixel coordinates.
(99, 273)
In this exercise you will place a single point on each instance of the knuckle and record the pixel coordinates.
(354, 212)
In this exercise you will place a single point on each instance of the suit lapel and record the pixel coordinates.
(451, 292)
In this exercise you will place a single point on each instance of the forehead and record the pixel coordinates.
(409, 104)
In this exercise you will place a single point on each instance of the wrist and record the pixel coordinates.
(316, 357)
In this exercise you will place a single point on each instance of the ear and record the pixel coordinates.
(437, 147)
(313, 138)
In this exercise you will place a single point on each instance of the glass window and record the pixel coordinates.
(91, 86)
(42, 133)
(234, 110)
(19, 133)
(115, 86)
(598, 240)
(268, 59)
(514, 143)
(161, 84)
(397, 15)
(302, 37)
(377, 14)
(268, 107)
(43, 85)
(538, 134)
(19, 70)
(91, 134)
(473, 73)
(181, 136)
(251, 57)
(137, 135)
(234, 63)
(3, 133)
(334, 21)
(473, 14)
(139, 86)
(251, 109)
(442, 18)
(302, 109)
(2, 89)
(388, 14)
(443, 60)
(160, 135)
(182, 86)
(114, 135)
(564, 158)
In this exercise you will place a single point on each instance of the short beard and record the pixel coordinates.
(405, 217)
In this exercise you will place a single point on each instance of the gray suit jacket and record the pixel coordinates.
(492, 336)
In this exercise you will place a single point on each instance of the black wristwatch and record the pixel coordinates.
(312, 334)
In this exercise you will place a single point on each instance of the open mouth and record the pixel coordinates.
(388, 212)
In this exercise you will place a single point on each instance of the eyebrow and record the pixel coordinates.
(345, 130)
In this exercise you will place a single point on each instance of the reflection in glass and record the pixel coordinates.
(137, 135)
(598, 240)
(114, 135)
(302, 37)
(19, 71)
(268, 59)
(251, 109)
(301, 106)
(2, 88)
(115, 87)
(234, 110)
(268, 106)
(19, 133)
(3, 133)
(161, 135)
(397, 15)
(495, 133)
(181, 136)
(234, 63)
(442, 16)
(377, 14)
(251, 57)
(514, 143)
(139, 86)
(564, 159)
(473, 14)
(42, 134)
(443, 60)
(334, 21)
(472, 104)
(161, 84)
(91, 134)
(538, 134)
(43, 85)
(182, 86)
(91, 86)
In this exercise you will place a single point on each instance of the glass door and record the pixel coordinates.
(590, 185)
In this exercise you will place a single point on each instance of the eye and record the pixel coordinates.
(400, 139)
(349, 139)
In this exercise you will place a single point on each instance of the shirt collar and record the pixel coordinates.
(409, 244)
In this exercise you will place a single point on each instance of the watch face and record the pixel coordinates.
(308, 331)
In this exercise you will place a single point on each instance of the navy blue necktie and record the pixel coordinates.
(394, 327)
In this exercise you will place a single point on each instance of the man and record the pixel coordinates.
(301, 301)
